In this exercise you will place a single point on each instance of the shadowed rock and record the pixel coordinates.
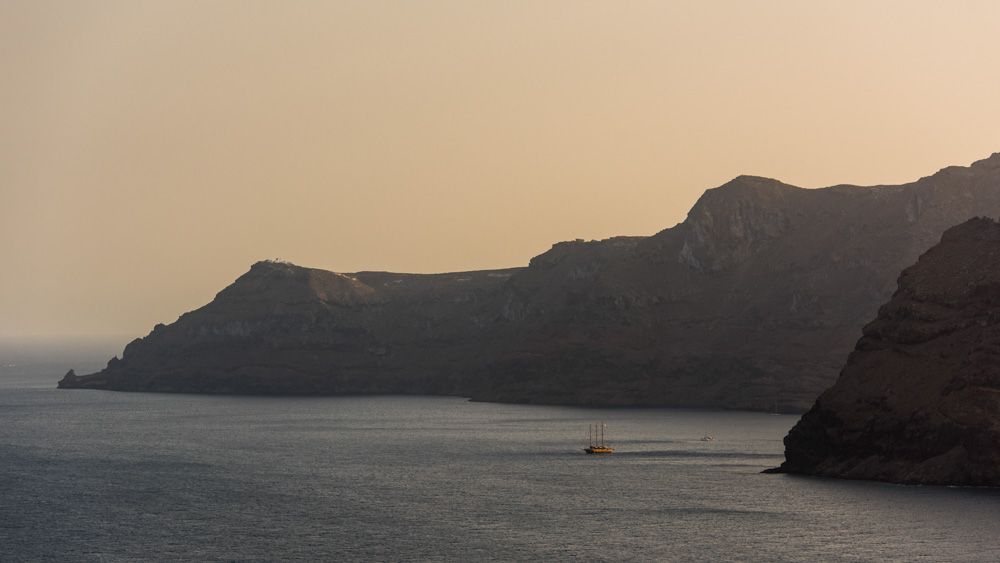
(756, 298)
(918, 401)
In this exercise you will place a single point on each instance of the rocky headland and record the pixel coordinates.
(918, 401)
(754, 300)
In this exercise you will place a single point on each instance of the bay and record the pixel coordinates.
(105, 476)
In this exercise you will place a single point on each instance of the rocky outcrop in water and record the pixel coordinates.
(756, 298)
(918, 401)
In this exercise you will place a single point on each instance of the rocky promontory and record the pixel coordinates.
(755, 299)
(918, 401)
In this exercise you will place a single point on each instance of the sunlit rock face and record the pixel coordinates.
(918, 401)
(753, 301)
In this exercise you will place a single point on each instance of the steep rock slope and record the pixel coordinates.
(753, 300)
(284, 329)
(918, 401)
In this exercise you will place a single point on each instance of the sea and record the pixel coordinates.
(107, 476)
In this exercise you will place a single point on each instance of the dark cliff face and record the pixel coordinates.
(918, 401)
(755, 298)
(284, 329)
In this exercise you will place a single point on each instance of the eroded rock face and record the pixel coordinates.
(918, 401)
(756, 298)
(285, 329)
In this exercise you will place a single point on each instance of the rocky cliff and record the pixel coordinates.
(754, 299)
(918, 401)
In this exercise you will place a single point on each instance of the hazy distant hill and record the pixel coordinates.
(918, 399)
(754, 300)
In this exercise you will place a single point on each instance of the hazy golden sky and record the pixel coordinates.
(151, 151)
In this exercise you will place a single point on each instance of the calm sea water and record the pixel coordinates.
(104, 476)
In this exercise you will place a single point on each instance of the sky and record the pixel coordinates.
(152, 151)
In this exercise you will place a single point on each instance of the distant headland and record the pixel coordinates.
(755, 300)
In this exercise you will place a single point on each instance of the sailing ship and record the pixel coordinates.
(594, 446)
